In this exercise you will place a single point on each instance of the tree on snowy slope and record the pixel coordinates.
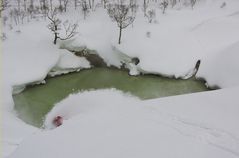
(193, 2)
(44, 7)
(151, 14)
(65, 4)
(3, 5)
(55, 27)
(145, 6)
(104, 2)
(173, 3)
(84, 8)
(121, 13)
(164, 5)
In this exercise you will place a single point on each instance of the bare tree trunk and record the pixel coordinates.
(89, 3)
(32, 4)
(55, 39)
(55, 35)
(93, 4)
(40, 5)
(145, 8)
(44, 7)
(25, 5)
(60, 7)
(75, 4)
(19, 5)
(51, 5)
(104, 1)
(65, 3)
(120, 34)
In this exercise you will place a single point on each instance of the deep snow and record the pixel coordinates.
(197, 125)
(113, 124)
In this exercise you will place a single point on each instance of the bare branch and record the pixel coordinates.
(123, 14)
(55, 26)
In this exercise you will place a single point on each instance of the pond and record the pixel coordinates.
(36, 101)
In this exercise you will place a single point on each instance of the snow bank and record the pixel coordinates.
(110, 124)
(177, 39)
(222, 68)
(28, 55)
(68, 62)
(85, 102)
(28, 59)
(95, 33)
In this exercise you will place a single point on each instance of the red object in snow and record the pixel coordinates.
(58, 121)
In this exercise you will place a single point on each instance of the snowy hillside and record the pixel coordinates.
(109, 123)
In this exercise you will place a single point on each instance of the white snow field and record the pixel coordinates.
(116, 125)
(108, 123)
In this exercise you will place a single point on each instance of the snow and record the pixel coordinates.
(14, 131)
(178, 39)
(108, 123)
(221, 69)
(35, 55)
(133, 69)
(69, 60)
(28, 61)
(67, 63)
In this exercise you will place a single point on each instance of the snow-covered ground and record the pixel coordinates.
(117, 125)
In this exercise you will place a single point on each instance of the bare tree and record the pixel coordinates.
(4, 20)
(164, 5)
(22, 15)
(18, 5)
(55, 27)
(31, 4)
(133, 5)
(151, 15)
(44, 7)
(93, 4)
(30, 9)
(25, 5)
(84, 8)
(193, 2)
(173, 3)
(104, 3)
(3, 5)
(121, 13)
(76, 3)
(89, 1)
(60, 6)
(65, 3)
(145, 6)
(15, 14)
(51, 5)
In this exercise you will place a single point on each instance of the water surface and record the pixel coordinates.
(36, 101)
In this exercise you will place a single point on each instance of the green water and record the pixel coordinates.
(36, 101)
